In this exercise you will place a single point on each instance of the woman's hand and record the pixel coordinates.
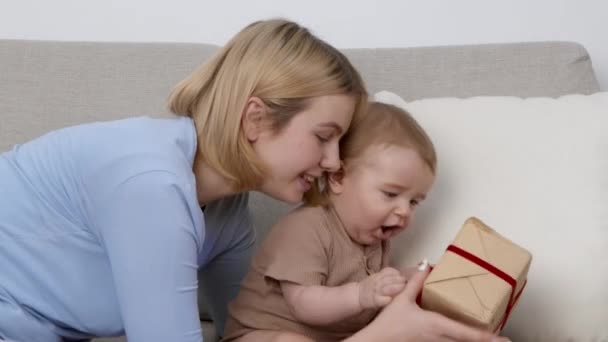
(402, 320)
(377, 290)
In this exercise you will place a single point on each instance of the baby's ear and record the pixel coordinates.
(335, 180)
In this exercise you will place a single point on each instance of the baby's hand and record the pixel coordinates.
(377, 290)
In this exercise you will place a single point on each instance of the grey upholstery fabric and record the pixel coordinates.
(46, 85)
(517, 69)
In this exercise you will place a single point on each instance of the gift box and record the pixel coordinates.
(479, 278)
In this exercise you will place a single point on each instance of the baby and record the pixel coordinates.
(322, 273)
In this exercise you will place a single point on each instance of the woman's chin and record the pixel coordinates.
(288, 193)
(290, 197)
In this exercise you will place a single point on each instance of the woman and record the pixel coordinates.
(101, 228)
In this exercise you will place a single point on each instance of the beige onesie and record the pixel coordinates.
(309, 246)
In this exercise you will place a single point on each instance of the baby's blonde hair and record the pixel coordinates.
(277, 61)
(381, 125)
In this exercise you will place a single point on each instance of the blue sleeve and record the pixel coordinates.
(148, 231)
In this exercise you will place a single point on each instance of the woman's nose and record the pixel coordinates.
(331, 158)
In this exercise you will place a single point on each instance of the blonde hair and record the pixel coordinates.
(277, 61)
(382, 125)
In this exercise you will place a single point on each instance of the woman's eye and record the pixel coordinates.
(322, 139)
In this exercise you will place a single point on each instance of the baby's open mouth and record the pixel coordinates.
(386, 229)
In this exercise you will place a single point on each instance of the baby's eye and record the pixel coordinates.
(414, 203)
(390, 194)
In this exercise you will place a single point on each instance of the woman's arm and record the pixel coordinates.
(147, 232)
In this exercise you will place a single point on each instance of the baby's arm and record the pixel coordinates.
(323, 305)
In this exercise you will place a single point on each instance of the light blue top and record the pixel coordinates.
(101, 230)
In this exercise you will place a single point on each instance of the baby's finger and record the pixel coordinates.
(389, 271)
(393, 289)
(393, 279)
(382, 301)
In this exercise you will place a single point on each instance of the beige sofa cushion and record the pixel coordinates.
(536, 170)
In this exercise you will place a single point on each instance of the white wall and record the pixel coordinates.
(373, 23)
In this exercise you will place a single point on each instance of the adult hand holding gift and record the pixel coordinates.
(479, 278)
(430, 326)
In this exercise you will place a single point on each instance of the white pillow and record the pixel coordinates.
(536, 170)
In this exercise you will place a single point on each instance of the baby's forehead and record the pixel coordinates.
(364, 160)
(368, 162)
(378, 153)
(395, 162)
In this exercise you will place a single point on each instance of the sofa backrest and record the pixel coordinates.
(45, 85)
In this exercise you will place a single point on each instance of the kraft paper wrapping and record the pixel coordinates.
(467, 292)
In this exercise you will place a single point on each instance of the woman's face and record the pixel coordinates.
(305, 148)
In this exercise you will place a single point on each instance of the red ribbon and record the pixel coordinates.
(494, 270)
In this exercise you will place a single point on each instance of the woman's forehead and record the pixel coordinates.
(336, 110)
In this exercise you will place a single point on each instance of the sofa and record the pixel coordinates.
(46, 85)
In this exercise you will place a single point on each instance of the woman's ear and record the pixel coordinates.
(252, 118)
(335, 180)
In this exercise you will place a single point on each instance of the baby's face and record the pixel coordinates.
(381, 191)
